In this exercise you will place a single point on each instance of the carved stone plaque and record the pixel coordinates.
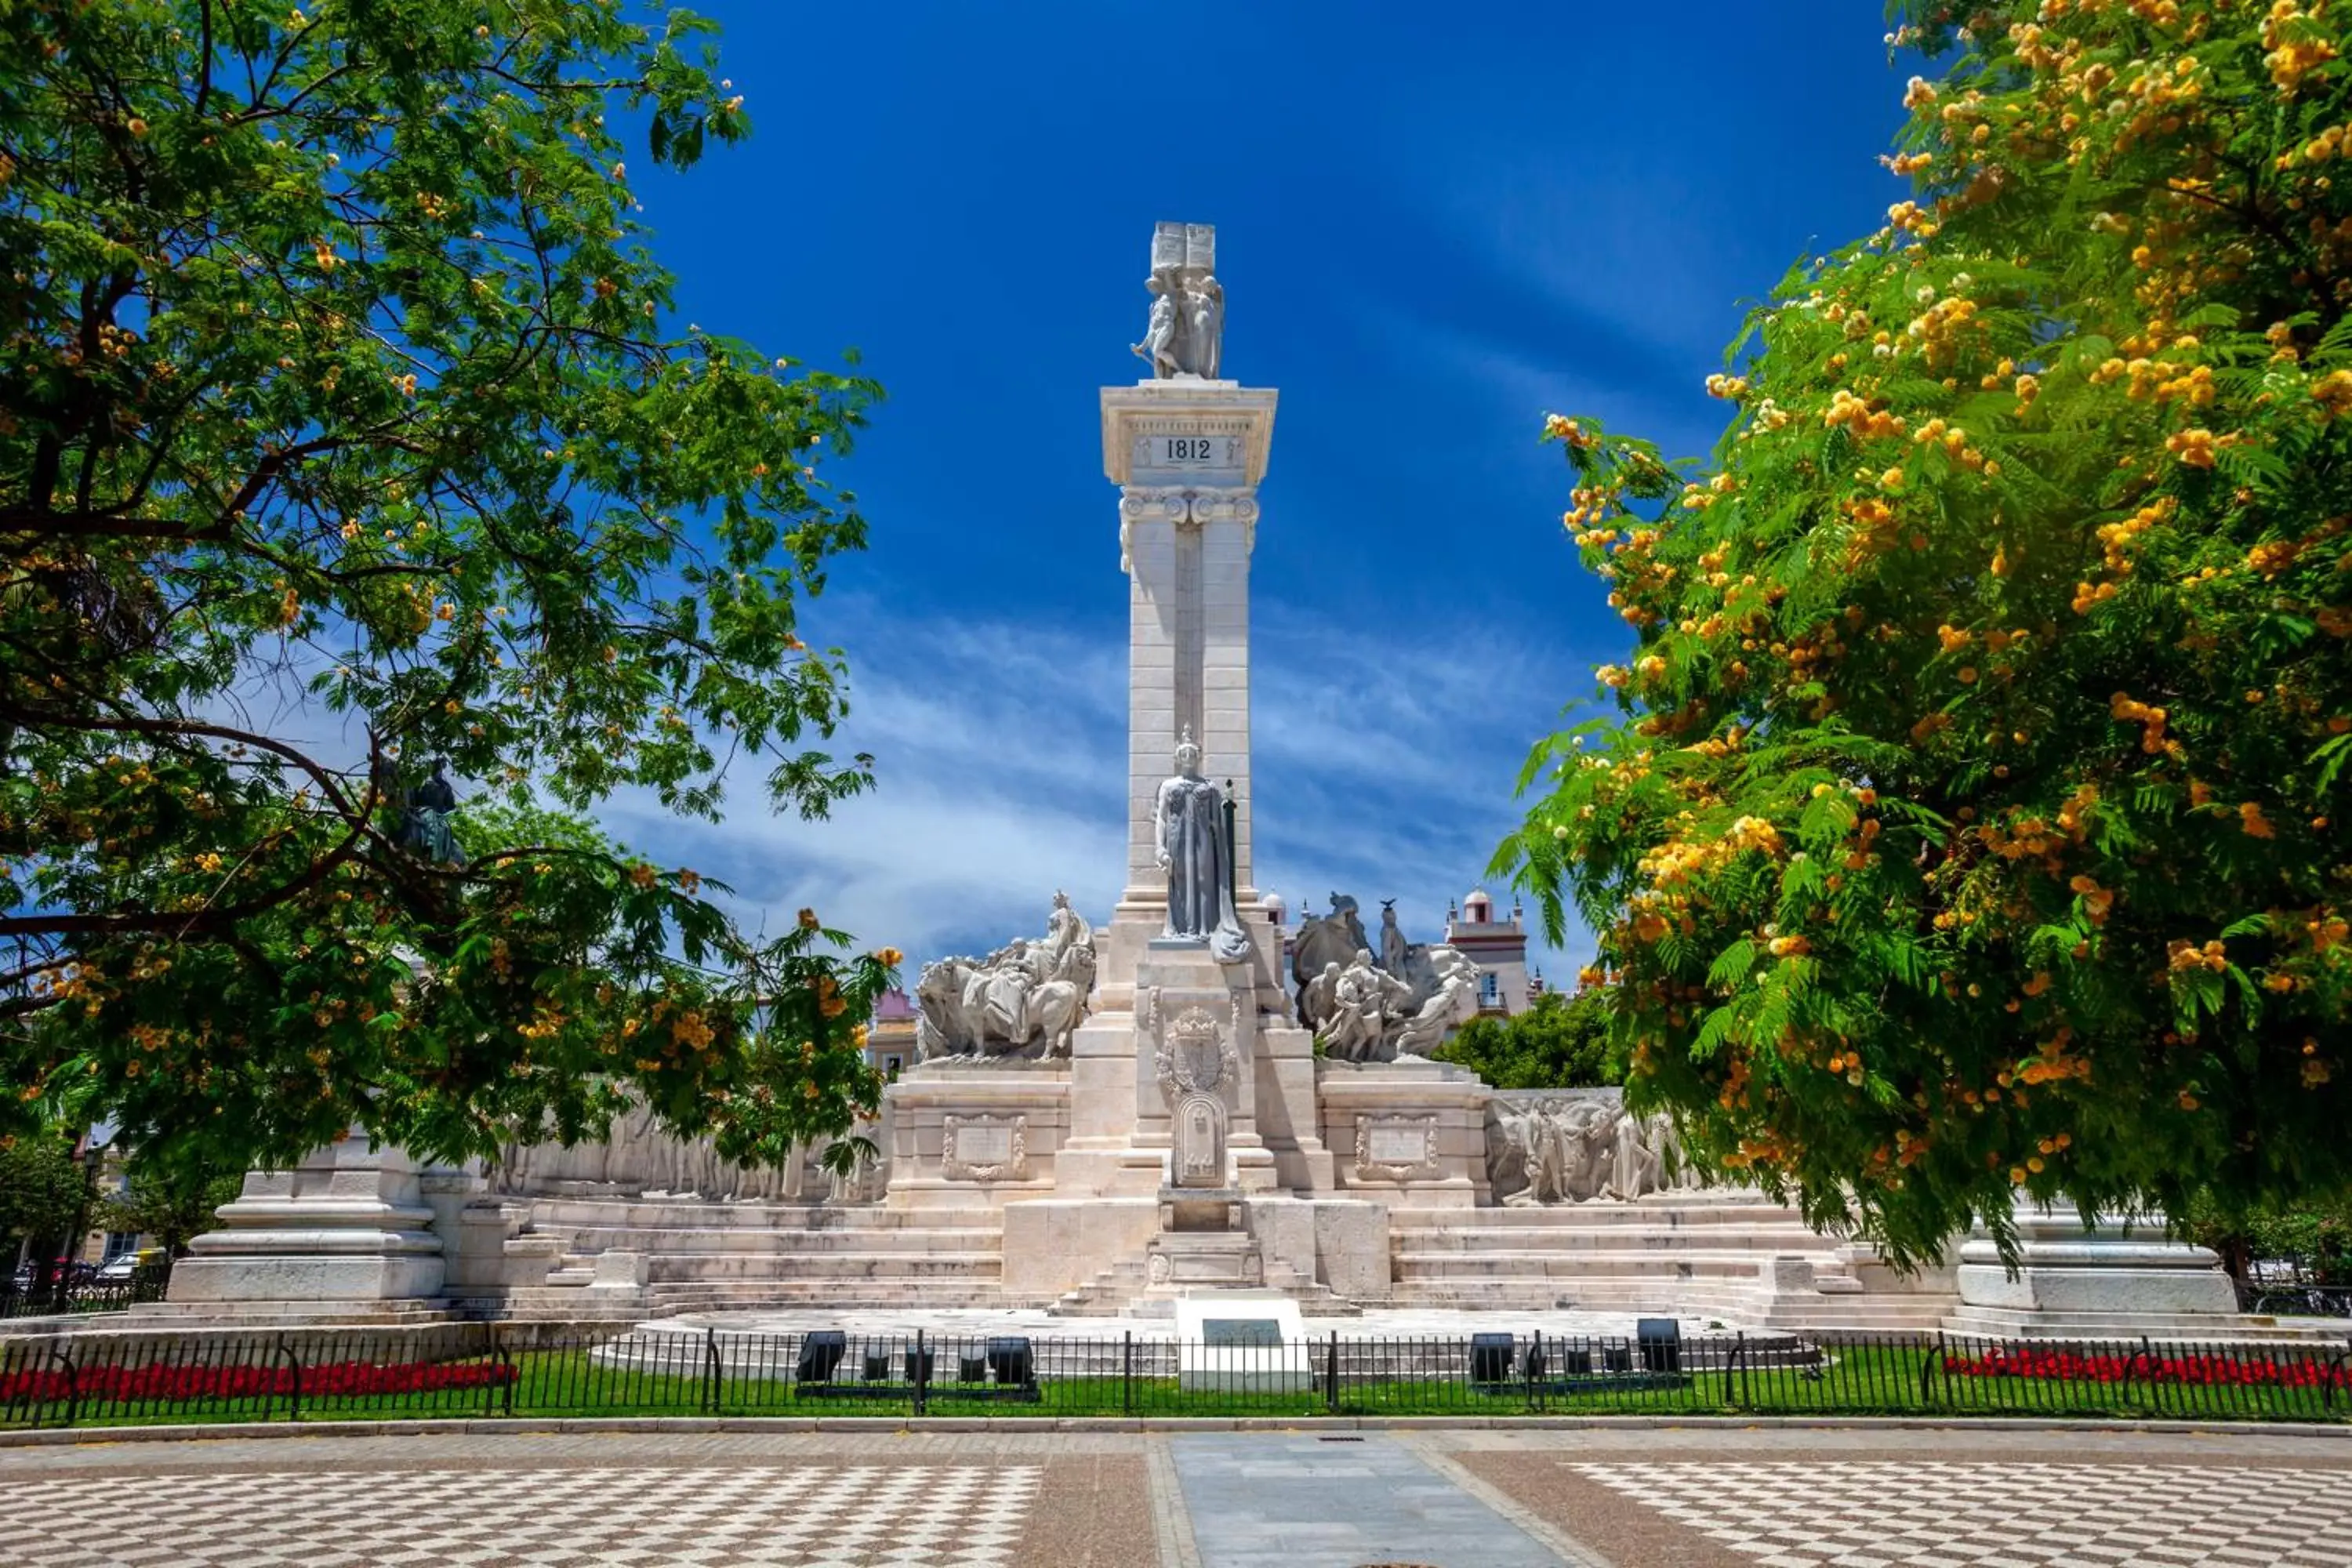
(1396, 1148)
(1197, 1141)
(985, 1148)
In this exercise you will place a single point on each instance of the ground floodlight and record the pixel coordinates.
(821, 1353)
(1012, 1360)
(1490, 1358)
(1661, 1345)
(971, 1367)
(878, 1364)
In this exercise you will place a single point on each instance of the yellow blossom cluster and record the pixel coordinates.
(1864, 422)
(2182, 953)
(2295, 48)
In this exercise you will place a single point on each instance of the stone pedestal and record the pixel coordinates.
(2125, 1278)
(1202, 1244)
(964, 1132)
(1410, 1132)
(347, 1226)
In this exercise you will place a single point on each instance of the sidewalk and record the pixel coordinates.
(1629, 1495)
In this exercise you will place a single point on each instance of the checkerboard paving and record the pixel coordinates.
(1995, 1515)
(918, 1515)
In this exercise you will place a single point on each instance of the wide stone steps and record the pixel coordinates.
(702, 1256)
(1477, 1241)
(669, 1216)
(704, 1242)
(716, 1297)
(1600, 1214)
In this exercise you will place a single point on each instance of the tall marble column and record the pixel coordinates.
(1187, 450)
(1187, 457)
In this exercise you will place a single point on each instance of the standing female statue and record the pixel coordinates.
(1189, 820)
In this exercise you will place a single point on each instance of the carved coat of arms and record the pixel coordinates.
(1195, 1052)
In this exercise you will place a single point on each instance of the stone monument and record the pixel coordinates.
(1134, 1115)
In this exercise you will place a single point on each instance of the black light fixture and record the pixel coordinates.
(877, 1363)
(1490, 1358)
(971, 1367)
(1012, 1360)
(821, 1353)
(1661, 1339)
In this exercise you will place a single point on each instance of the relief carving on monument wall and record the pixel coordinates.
(984, 1148)
(1572, 1146)
(638, 1155)
(1396, 1149)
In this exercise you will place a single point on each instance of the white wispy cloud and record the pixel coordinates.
(1001, 753)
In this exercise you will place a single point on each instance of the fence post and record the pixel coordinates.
(1127, 1376)
(73, 1383)
(922, 1374)
(1928, 1366)
(293, 1382)
(1736, 1363)
(710, 1371)
(1331, 1375)
(1527, 1375)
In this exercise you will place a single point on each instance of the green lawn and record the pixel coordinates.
(1889, 1380)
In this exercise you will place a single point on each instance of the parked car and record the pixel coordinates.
(119, 1270)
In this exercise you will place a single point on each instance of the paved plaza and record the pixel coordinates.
(1623, 1496)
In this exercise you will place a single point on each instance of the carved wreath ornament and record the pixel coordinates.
(958, 1167)
(1193, 1053)
(1375, 1162)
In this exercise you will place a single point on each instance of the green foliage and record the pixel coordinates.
(2319, 1239)
(1561, 1042)
(335, 360)
(42, 1188)
(171, 1202)
(1970, 822)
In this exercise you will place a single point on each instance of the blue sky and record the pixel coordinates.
(1434, 224)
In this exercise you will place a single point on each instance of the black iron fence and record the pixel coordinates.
(2291, 1290)
(557, 1371)
(72, 1290)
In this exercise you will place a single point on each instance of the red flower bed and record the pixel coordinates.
(2209, 1371)
(343, 1379)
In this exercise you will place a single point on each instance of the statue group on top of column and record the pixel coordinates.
(1025, 999)
(1192, 845)
(1185, 332)
(1404, 1002)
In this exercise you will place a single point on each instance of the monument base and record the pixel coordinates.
(2124, 1278)
(967, 1130)
(347, 1225)
(1408, 1132)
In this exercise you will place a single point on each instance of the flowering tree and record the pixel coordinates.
(1972, 820)
(334, 358)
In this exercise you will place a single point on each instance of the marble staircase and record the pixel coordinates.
(713, 1257)
(1746, 1260)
